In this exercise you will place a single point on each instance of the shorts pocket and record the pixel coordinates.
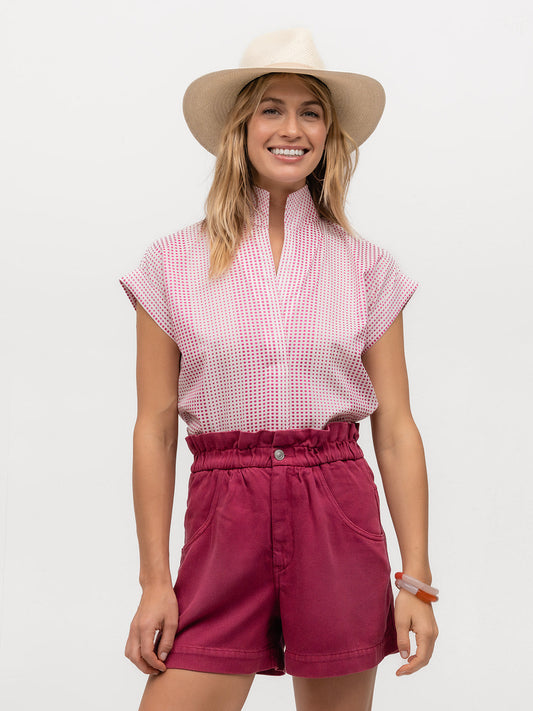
(202, 498)
(350, 489)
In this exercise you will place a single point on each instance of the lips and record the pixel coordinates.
(294, 158)
(292, 148)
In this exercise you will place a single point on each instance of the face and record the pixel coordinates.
(288, 117)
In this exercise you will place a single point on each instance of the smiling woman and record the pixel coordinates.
(282, 325)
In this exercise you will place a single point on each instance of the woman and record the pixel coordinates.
(285, 328)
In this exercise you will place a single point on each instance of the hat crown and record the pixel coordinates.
(283, 48)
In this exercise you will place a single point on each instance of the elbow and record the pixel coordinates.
(391, 429)
(160, 427)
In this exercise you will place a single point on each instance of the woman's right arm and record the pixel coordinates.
(155, 440)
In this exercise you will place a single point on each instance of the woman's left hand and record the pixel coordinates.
(414, 614)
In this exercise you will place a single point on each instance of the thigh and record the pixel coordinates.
(335, 590)
(349, 692)
(228, 609)
(186, 690)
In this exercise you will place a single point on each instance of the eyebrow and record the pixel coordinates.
(280, 101)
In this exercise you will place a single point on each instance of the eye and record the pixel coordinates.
(313, 114)
(266, 111)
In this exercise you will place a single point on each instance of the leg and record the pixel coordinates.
(186, 690)
(349, 692)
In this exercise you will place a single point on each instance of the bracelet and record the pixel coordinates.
(421, 590)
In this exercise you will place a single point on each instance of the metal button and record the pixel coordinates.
(279, 454)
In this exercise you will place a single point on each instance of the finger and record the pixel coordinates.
(133, 653)
(425, 644)
(167, 638)
(147, 648)
(143, 665)
(402, 639)
(421, 656)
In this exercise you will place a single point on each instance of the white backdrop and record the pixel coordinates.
(97, 162)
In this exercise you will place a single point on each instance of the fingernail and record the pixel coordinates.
(163, 656)
(404, 653)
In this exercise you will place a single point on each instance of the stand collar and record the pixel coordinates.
(299, 206)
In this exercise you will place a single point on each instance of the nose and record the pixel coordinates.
(290, 126)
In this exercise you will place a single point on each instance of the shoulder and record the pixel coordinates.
(364, 253)
(179, 242)
(175, 254)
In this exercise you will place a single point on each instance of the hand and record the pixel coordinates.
(414, 614)
(158, 610)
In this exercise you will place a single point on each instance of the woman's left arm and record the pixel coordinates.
(400, 457)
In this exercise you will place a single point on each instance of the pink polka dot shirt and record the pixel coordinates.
(266, 350)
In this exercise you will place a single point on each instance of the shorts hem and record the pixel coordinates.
(337, 664)
(221, 661)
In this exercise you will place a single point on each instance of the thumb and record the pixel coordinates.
(167, 639)
(404, 644)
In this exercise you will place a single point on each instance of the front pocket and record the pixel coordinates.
(349, 487)
(202, 500)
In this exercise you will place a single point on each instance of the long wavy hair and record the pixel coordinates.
(230, 204)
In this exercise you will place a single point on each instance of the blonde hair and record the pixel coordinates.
(230, 204)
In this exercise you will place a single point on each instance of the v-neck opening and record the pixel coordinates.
(302, 237)
(282, 256)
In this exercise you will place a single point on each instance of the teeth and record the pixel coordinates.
(287, 151)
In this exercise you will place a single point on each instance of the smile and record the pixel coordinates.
(291, 155)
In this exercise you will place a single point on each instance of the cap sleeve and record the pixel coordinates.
(388, 291)
(147, 285)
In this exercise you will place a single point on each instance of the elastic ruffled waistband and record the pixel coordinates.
(298, 447)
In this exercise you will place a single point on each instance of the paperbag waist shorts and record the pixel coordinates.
(284, 567)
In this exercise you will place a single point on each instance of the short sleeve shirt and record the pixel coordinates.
(266, 350)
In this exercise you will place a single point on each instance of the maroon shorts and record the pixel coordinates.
(284, 567)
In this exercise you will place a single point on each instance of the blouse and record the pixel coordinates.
(261, 350)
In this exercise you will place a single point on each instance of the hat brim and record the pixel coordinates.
(359, 100)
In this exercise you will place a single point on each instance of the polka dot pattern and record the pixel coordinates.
(266, 350)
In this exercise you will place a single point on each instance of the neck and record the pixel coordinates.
(298, 207)
(277, 208)
(278, 200)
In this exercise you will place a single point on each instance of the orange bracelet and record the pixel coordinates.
(421, 590)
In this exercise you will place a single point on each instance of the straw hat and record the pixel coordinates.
(359, 100)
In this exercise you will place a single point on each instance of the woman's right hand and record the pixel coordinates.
(158, 610)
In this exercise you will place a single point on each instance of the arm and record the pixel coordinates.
(399, 450)
(154, 463)
(155, 439)
(400, 456)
